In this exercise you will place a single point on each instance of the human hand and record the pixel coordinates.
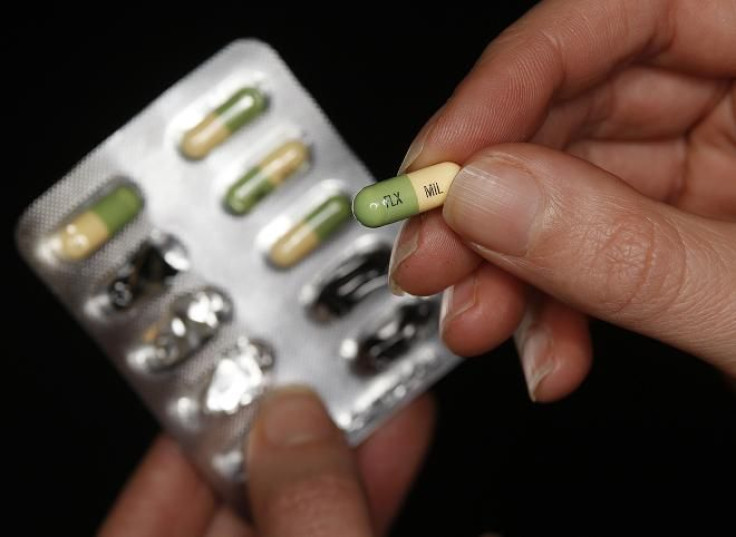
(303, 478)
(623, 208)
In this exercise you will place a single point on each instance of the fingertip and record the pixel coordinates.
(555, 350)
(429, 257)
(405, 245)
(289, 417)
(481, 311)
(301, 470)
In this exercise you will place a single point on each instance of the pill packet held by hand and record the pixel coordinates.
(209, 248)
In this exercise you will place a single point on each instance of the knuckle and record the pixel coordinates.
(639, 267)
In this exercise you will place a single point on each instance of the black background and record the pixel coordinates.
(645, 447)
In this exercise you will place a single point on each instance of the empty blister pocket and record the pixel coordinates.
(191, 321)
(148, 271)
(392, 337)
(240, 377)
(340, 288)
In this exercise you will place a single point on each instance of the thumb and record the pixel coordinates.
(303, 479)
(585, 237)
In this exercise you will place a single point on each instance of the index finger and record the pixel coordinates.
(562, 48)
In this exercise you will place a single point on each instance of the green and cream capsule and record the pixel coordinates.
(412, 193)
(315, 228)
(90, 230)
(239, 109)
(268, 175)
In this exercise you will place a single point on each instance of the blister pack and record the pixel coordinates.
(208, 247)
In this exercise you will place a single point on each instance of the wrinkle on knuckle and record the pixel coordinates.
(638, 266)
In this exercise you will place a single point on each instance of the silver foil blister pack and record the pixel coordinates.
(203, 309)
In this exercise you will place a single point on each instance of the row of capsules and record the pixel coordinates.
(194, 318)
(92, 228)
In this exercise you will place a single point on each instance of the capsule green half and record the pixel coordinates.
(386, 202)
(242, 107)
(329, 216)
(242, 196)
(118, 208)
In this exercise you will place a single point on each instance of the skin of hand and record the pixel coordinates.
(598, 139)
(303, 478)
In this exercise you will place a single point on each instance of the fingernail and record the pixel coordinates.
(415, 149)
(417, 146)
(457, 299)
(294, 416)
(405, 245)
(537, 359)
(394, 287)
(493, 202)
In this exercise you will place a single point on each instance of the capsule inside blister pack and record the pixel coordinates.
(392, 336)
(343, 287)
(240, 377)
(149, 270)
(192, 320)
(94, 226)
(314, 229)
(266, 176)
(239, 109)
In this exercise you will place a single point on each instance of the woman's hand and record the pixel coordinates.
(622, 205)
(303, 478)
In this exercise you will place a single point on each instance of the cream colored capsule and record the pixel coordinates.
(204, 137)
(87, 232)
(404, 196)
(268, 175)
(80, 237)
(310, 232)
(241, 108)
